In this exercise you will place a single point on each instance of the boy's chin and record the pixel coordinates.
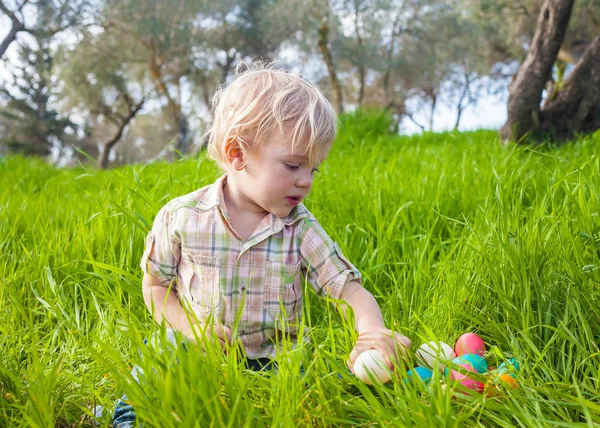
(281, 212)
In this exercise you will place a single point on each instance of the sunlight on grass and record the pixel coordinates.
(453, 232)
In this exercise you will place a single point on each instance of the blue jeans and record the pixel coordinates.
(124, 415)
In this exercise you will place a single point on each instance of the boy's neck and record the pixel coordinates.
(236, 202)
(244, 216)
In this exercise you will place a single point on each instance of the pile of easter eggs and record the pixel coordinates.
(459, 364)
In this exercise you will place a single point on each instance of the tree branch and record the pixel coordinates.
(412, 119)
(16, 26)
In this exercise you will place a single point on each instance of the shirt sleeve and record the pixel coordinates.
(323, 263)
(163, 249)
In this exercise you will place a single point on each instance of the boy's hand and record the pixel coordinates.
(392, 345)
(223, 333)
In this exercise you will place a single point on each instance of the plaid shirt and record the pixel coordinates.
(217, 276)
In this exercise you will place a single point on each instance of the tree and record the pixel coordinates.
(311, 29)
(323, 44)
(164, 39)
(35, 126)
(237, 32)
(17, 24)
(100, 85)
(51, 17)
(188, 50)
(574, 108)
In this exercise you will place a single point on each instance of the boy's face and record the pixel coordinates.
(275, 179)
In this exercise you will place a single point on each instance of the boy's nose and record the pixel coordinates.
(305, 180)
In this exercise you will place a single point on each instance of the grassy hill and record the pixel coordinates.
(453, 233)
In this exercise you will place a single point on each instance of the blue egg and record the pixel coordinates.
(476, 361)
(421, 372)
(456, 361)
(510, 367)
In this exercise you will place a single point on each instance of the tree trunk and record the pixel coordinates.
(174, 108)
(107, 147)
(361, 64)
(183, 135)
(576, 105)
(361, 90)
(525, 90)
(460, 107)
(327, 57)
(432, 112)
(14, 29)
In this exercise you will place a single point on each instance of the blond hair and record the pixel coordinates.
(260, 100)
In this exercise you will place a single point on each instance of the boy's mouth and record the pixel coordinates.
(294, 200)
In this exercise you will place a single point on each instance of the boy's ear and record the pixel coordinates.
(235, 154)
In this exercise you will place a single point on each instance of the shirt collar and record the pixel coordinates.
(214, 197)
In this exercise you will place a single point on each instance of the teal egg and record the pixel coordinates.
(510, 367)
(421, 372)
(476, 361)
(456, 361)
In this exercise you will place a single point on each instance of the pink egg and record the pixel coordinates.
(464, 379)
(469, 343)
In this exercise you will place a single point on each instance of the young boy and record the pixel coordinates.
(242, 244)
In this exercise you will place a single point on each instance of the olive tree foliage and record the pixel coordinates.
(509, 27)
(102, 86)
(384, 53)
(144, 139)
(312, 30)
(186, 52)
(33, 122)
(230, 32)
(163, 39)
(33, 125)
(41, 18)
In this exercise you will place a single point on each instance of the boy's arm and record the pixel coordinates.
(164, 304)
(367, 315)
(369, 323)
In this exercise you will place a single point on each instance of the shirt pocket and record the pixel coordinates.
(201, 287)
(283, 293)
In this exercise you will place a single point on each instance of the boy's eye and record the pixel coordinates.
(315, 170)
(292, 167)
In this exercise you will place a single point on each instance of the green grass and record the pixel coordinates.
(453, 232)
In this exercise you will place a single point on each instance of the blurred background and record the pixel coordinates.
(116, 82)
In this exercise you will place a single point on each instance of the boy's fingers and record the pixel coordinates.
(402, 345)
(404, 341)
(352, 358)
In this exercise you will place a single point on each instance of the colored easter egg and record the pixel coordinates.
(422, 373)
(510, 367)
(477, 361)
(428, 353)
(370, 367)
(469, 343)
(455, 361)
(507, 380)
(465, 379)
(490, 387)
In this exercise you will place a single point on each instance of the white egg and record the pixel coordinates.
(429, 352)
(370, 367)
